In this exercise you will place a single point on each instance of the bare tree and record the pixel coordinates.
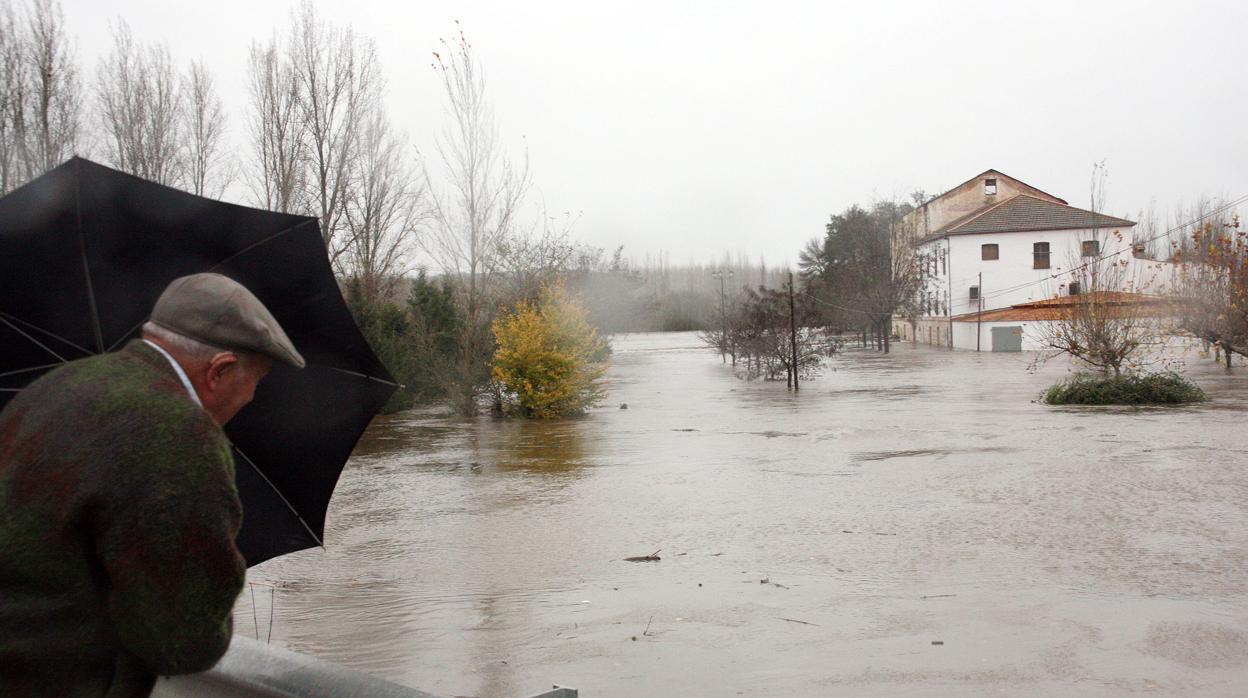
(208, 172)
(339, 88)
(1213, 284)
(1102, 320)
(12, 99)
(761, 330)
(40, 94)
(276, 130)
(477, 211)
(532, 259)
(383, 210)
(1104, 325)
(140, 105)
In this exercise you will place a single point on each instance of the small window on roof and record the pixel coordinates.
(990, 186)
(1091, 248)
(989, 251)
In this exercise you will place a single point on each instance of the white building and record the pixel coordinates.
(993, 243)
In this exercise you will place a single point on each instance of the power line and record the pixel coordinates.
(1104, 257)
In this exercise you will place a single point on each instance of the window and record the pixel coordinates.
(990, 186)
(1091, 248)
(1074, 288)
(1040, 255)
(990, 251)
(974, 293)
(943, 267)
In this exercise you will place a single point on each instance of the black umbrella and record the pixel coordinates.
(85, 251)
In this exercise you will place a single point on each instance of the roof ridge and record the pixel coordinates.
(981, 174)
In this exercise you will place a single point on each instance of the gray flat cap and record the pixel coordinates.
(217, 310)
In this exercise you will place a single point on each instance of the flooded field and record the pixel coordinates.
(907, 523)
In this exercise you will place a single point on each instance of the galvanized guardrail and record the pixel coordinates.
(252, 669)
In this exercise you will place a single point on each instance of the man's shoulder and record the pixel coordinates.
(121, 372)
(127, 392)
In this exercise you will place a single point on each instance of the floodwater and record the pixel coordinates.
(909, 523)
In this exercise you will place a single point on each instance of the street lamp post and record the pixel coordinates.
(723, 316)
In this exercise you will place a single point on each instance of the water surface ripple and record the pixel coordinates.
(811, 544)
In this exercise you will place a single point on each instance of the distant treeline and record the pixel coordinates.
(656, 296)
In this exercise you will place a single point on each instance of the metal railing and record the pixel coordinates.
(253, 669)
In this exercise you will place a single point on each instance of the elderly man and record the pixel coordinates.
(117, 553)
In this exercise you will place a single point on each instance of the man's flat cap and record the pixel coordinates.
(219, 311)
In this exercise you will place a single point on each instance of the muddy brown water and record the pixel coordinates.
(910, 523)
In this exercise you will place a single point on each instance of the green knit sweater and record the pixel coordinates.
(118, 515)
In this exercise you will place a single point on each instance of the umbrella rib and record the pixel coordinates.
(218, 265)
(86, 267)
(49, 333)
(125, 336)
(258, 243)
(363, 375)
(285, 501)
(41, 345)
(6, 374)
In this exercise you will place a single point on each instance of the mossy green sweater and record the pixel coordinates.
(118, 515)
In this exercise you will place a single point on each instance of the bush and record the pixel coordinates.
(416, 342)
(548, 358)
(1146, 389)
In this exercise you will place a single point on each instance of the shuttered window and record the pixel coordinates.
(989, 252)
(1040, 255)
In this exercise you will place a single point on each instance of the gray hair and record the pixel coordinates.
(192, 348)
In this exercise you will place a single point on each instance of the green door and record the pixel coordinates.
(1007, 338)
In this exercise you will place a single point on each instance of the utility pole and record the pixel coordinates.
(793, 330)
(979, 316)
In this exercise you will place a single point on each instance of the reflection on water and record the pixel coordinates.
(896, 501)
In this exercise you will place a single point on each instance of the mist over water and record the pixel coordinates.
(811, 544)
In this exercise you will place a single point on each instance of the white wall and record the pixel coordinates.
(1014, 265)
(1035, 332)
(964, 335)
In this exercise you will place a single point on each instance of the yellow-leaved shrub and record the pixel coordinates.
(549, 358)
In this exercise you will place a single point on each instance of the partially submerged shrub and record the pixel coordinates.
(1145, 389)
(549, 358)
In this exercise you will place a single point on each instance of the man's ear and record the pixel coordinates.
(219, 366)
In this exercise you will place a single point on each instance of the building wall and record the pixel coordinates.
(1014, 266)
(933, 331)
(1036, 332)
(964, 334)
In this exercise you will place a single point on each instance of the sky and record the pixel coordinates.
(694, 129)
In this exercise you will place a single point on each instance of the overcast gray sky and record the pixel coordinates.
(702, 127)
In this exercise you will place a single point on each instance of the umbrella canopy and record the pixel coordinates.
(86, 250)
